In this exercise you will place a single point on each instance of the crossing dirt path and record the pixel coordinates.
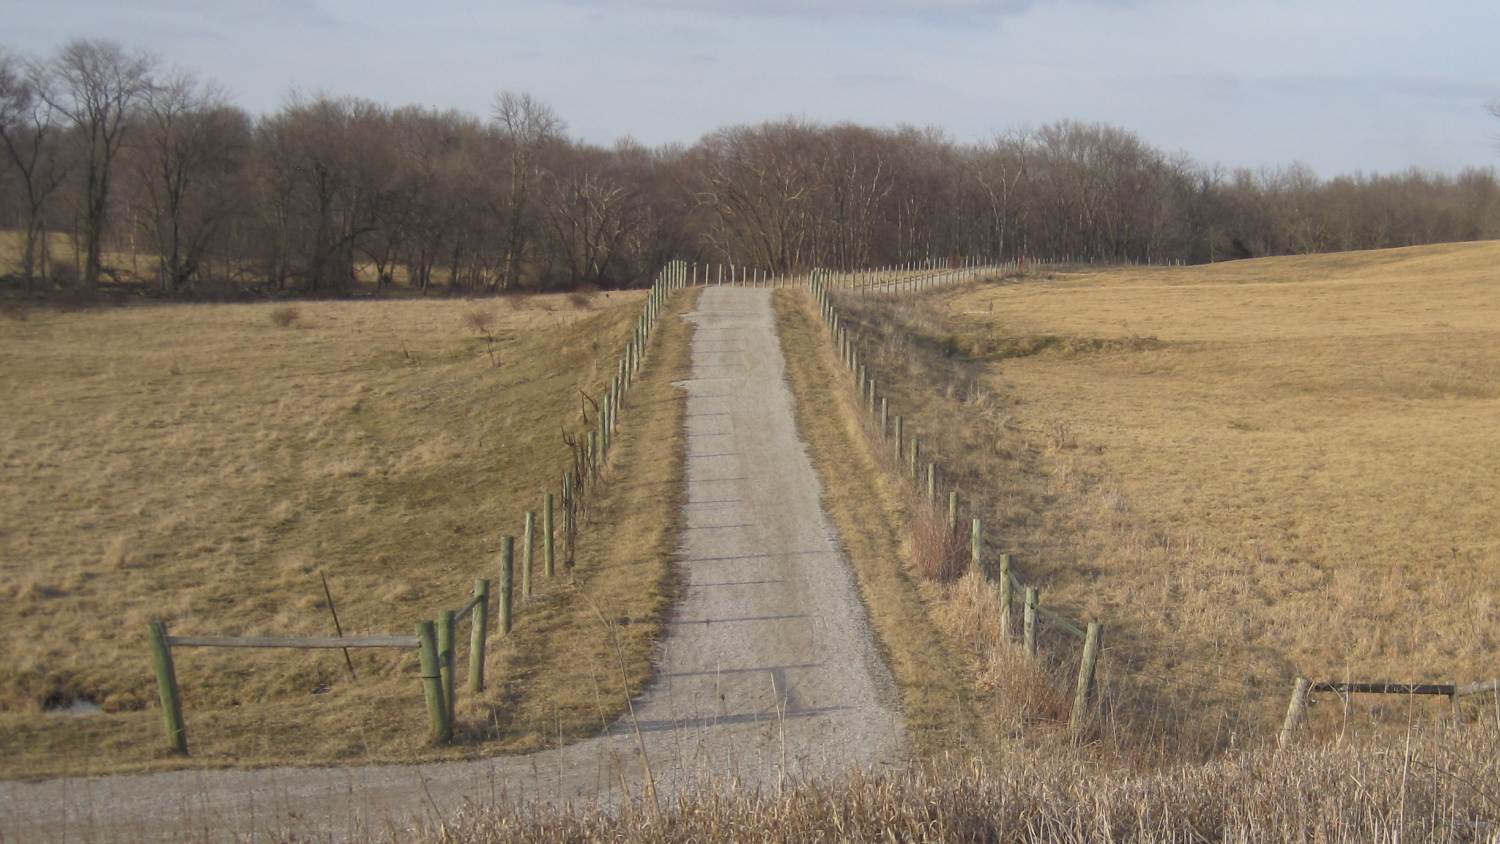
(767, 668)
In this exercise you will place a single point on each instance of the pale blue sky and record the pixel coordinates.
(1341, 85)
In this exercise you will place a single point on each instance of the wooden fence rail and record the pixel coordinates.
(1296, 710)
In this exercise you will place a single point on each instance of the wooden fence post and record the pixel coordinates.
(916, 458)
(976, 548)
(953, 511)
(432, 683)
(479, 628)
(1006, 596)
(1028, 621)
(507, 576)
(1085, 679)
(549, 550)
(446, 650)
(1296, 710)
(166, 687)
(931, 482)
(528, 544)
(900, 439)
(568, 504)
(884, 417)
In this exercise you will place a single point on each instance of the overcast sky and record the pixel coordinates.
(1338, 84)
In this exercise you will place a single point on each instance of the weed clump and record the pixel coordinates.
(285, 316)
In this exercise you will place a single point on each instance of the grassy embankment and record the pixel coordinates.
(203, 464)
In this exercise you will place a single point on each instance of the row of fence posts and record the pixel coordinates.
(590, 459)
(847, 345)
(436, 640)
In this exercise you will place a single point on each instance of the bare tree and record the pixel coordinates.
(96, 85)
(527, 124)
(194, 149)
(33, 148)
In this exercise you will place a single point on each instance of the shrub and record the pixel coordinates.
(938, 552)
(285, 316)
(480, 320)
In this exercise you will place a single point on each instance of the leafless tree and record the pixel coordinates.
(33, 146)
(526, 124)
(96, 85)
(190, 166)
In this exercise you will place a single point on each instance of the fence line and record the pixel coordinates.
(848, 346)
(436, 641)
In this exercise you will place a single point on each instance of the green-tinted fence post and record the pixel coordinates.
(1028, 621)
(528, 544)
(446, 658)
(549, 551)
(507, 578)
(1006, 596)
(1085, 679)
(166, 687)
(479, 628)
(432, 683)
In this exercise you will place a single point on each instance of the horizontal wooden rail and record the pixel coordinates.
(1062, 621)
(464, 610)
(292, 642)
(1387, 688)
(1477, 688)
(1057, 618)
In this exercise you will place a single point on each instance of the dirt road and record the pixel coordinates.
(767, 666)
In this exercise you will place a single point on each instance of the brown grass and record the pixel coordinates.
(936, 550)
(1248, 471)
(193, 463)
(1435, 787)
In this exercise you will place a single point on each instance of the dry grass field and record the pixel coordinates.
(1249, 471)
(203, 464)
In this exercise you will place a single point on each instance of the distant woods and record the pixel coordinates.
(327, 195)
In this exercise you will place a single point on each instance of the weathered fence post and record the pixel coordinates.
(549, 549)
(507, 577)
(479, 628)
(1296, 709)
(1006, 596)
(931, 482)
(1085, 679)
(900, 437)
(166, 687)
(528, 544)
(568, 504)
(432, 683)
(1028, 621)
(916, 458)
(446, 658)
(884, 417)
(976, 548)
(953, 511)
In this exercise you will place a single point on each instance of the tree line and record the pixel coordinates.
(329, 194)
